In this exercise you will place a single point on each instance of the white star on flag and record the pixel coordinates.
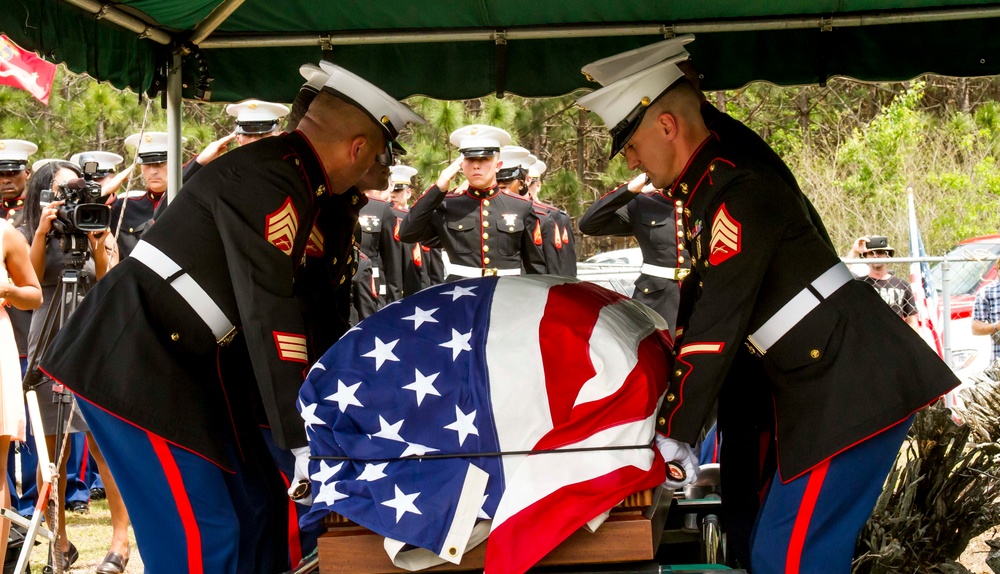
(373, 472)
(329, 494)
(344, 396)
(459, 291)
(389, 431)
(382, 352)
(423, 386)
(459, 342)
(414, 449)
(326, 471)
(482, 513)
(403, 503)
(309, 415)
(463, 425)
(419, 317)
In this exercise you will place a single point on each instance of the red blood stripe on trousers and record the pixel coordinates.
(175, 481)
(806, 508)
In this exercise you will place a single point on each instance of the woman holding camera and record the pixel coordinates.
(48, 260)
(18, 288)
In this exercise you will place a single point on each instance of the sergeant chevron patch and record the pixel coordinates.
(291, 347)
(281, 226)
(726, 240)
(314, 247)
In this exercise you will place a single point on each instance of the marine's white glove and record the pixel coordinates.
(639, 183)
(301, 487)
(678, 456)
(449, 173)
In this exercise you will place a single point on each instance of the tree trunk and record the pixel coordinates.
(720, 101)
(802, 104)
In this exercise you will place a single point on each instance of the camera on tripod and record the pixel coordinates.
(84, 209)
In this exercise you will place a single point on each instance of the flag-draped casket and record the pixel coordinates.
(427, 411)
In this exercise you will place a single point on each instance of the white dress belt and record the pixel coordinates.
(798, 307)
(189, 290)
(466, 271)
(674, 273)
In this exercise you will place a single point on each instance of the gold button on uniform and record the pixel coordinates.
(354, 200)
(511, 228)
(814, 353)
(486, 260)
(680, 259)
(486, 213)
(645, 290)
(485, 224)
(461, 226)
(334, 260)
(342, 279)
(486, 235)
(678, 372)
(486, 248)
(321, 190)
(680, 233)
(670, 397)
(296, 161)
(679, 203)
(652, 223)
(486, 203)
(704, 263)
(130, 230)
(661, 421)
(175, 336)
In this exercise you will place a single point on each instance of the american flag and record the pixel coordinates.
(924, 293)
(480, 366)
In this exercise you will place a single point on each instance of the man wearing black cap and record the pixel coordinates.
(209, 327)
(484, 231)
(843, 373)
(896, 292)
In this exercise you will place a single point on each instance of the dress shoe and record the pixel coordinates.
(78, 506)
(98, 493)
(114, 563)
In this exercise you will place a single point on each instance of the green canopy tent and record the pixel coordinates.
(227, 50)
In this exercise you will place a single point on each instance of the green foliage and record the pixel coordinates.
(855, 148)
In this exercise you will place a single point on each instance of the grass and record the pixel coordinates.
(91, 533)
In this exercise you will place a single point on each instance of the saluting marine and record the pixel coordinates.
(484, 231)
(565, 241)
(656, 222)
(255, 119)
(413, 263)
(139, 206)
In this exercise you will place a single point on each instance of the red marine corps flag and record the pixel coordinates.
(23, 69)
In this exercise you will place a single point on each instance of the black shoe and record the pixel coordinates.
(97, 493)
(78, 506)
(69, 557)
(114, 563)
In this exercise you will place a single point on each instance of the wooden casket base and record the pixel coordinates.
(627, 535)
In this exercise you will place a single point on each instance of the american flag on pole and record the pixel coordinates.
(923, 291)
(477, 367)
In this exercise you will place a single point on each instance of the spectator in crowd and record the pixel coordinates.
(896, 292)
(47, 260)
(19, 288)
(986, 315)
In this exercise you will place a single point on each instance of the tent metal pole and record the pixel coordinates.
(123, 19)
(214, 20)
(818, 22)
(174, 98)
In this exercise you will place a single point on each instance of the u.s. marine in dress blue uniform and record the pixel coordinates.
(844, 374)
(485, 231)
(655, 221)
(217, 315)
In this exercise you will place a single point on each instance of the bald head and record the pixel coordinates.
(346, 139)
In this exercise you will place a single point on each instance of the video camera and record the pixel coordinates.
(83, 210)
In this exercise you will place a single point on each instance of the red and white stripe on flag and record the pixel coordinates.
(605, 361)
(22, 69)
